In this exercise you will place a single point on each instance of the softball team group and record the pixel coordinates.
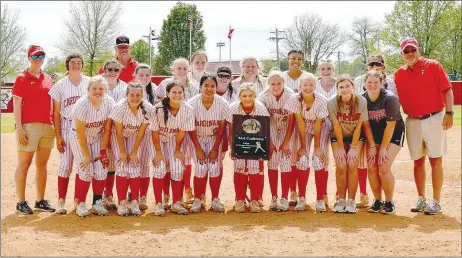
(131, 133)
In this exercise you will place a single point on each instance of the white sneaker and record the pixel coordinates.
(203, 201)
(320, 206)
(254, 207)
(239, 207)
(110, 203)
(143, 203)
(196, 206)
(82, 211)
(260, 202)
(179, 209)
(301, 205)
(363, 201)
(159, 209)
(61, 207)
(351, 206)
(217, 206)
(339, 206)
(283, 205)
(135, 208)
(166, 202)
(274, 203)
(99, 209)
(293, 199)
(122, 209)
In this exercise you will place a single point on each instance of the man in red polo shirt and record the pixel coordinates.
(424, 91)
(123, 55)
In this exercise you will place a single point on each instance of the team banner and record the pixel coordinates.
(251, 137)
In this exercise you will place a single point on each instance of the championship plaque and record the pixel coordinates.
(251, 137)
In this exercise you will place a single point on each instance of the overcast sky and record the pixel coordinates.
(252, 21)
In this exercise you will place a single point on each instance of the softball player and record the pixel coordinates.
(210, 113)
(198, 62)
(117, 89)
(89, 125)
(326, 83)
(310, 110)
(171, 119)
(131, 117)
(65, 94)
(275, 97)
(347, 112)
(384, 130)
(247, 171)
(250, 69)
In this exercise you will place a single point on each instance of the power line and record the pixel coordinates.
(277, 38)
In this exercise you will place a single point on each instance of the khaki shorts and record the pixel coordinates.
(39, 135)
(426, 137)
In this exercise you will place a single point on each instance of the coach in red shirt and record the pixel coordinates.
(424, 92)
(123, 55)
(33, 112)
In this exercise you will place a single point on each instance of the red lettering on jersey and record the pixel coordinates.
(95, 124)
(132, 127)
(71, 101)
(206, 123)
(350, 117)
(278, 111)
(377, 114)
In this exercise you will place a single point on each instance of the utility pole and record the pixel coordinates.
(338, 61)
(219, 45)
(151, 36)
(277, 38)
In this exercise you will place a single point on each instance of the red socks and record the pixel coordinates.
(134, 184)
(110, 183)
(177, 191)
(293, 179)
(240, 186)
(286, 178)
(81, 189)
(302, 181)
(98, 186)
(187, 177)
(214, 183)
(167, 183)
(320, 177)
(200, 184)
(158, 186)
(122, 187)
(362, 179)
(273, 181)
(254, 186)
(144, 185)
(63, 183)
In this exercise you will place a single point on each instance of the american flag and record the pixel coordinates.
(190, 19)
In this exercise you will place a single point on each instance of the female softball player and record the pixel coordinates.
(131, 117)
(89, 139)
(385, 136)
(347, 112)
(210, 113)
(198, 62)
(247, 171)
(250, 69)
(117, 89)
(65, 94)
(275, 98)
(326, 83)
(172, 118)
(310, 110)
(225, 87)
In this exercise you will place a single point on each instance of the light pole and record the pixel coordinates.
(219, 45)
(151, 36)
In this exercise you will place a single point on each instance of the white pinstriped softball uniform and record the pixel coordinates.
(67, 94)
(95, 121)
(318, 110)
(228, 98)
(259, 110)
(193, 80)
(184, 121)
(260, 84)
(279, 119)
(131, 126)
(327, 94)
(118, 92)
(291, 83)
(207, 126)
(189, 92)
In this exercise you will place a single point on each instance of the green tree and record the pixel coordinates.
(174, 37)
(55, 67)
(140, 51)
(364, 37)
(12, 54)
(91, 69)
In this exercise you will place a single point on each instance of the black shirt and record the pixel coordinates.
(385, 108)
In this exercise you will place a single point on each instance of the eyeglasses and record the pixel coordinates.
(409, 51)
(225, 76)
(123, 47)
(36, 56)
(116, 70)
(375, 64)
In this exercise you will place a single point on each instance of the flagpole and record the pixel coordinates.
(230, 50)
(190, 43)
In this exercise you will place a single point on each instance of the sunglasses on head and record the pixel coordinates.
(225, 76)
(37, 56)
(407, 51)
(375, 64)
(113, 70)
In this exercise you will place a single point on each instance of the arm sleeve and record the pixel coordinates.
(153, 123)
(293, 105)
(363, 109)
(332, 110)
(392, 87)
(224, 110)
(117, 114)
(79, 112)
(18, 87)
(232, 110)
(392, 108)
(443, 79)
(323, 111)
(188, 124)
(56, 92)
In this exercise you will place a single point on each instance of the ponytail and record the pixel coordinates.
(150, 94)
(166, 108)
(230, 89)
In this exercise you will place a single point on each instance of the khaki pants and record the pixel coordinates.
(39, 135)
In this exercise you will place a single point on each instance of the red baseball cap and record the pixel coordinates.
(33, 50)
(409, 42)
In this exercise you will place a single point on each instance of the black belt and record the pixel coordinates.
(426, 116)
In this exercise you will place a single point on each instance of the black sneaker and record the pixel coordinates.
(376, 206)
(43, 205)
(388, 207)
(23, 208)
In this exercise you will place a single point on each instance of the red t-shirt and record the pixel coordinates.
(421, 88)
(126, 75)
(37, 106)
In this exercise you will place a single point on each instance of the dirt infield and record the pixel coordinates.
(232, 234)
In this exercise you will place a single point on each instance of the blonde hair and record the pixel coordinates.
(375, 73)
(179, 61)
(305, 76)
(274, 73)
(98, 79)
(199, 53)
(354, 97)
(329, 62)
(247, 86)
